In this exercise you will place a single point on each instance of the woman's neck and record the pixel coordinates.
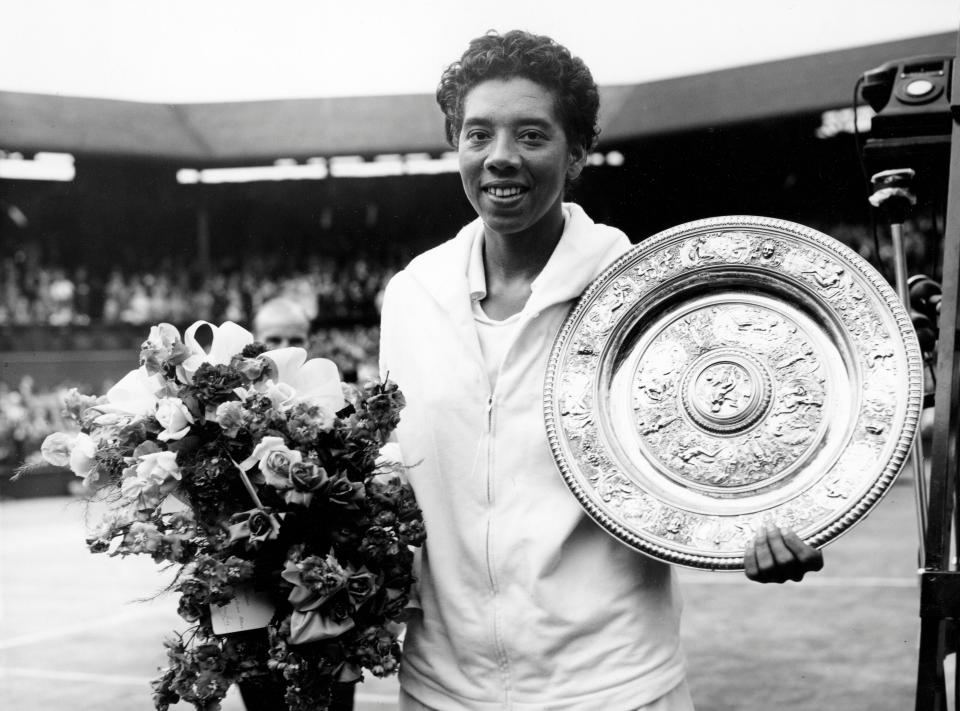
(512, 262)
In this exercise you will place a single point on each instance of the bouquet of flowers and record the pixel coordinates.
(261, 478)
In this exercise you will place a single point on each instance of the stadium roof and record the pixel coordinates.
(242, 133)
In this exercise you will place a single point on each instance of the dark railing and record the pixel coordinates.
(71, 338)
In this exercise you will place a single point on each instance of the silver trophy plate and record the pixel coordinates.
(727, 374)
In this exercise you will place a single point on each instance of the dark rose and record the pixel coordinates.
(307, 476)
(343, 492)
(339, 609)
(253, 526)
(259, 524)
(361, 586)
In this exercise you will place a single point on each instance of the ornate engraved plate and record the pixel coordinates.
(730, 373)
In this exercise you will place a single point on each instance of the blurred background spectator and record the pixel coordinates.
(281, 323)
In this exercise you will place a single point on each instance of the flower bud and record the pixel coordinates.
(56, 448)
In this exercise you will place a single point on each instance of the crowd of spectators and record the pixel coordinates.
(330, 290)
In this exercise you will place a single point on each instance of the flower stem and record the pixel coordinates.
(256, 499)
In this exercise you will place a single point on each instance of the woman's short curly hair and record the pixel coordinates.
(534, 57)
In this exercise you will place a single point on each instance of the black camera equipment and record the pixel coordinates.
(914, 150)
(911, 99)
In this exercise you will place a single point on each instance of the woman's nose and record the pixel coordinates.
(503, 153)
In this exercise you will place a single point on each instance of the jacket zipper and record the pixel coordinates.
(489, 483)
(502, 660)
(501, 652)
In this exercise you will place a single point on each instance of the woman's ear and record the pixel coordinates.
(578, 159)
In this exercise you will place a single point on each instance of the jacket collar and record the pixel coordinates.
(585, 248)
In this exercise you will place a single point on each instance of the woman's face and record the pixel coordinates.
(514, 156)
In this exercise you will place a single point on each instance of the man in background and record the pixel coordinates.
(281, 323)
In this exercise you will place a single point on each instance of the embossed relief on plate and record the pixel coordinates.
(729, 396)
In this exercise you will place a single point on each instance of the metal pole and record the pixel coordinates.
(916, 454)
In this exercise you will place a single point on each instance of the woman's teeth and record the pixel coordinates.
(504, 192)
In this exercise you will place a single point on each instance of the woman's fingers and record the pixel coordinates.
(775, 557)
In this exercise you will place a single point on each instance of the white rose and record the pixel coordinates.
(174, 417)
(275, 460)
(276, 466)
(158, 467)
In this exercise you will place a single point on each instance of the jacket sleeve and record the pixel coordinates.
(389, 327)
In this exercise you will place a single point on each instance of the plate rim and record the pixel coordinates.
(853, 514)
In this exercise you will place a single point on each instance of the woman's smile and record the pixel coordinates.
(504, 191)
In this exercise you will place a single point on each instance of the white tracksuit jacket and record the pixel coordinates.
(526, 603)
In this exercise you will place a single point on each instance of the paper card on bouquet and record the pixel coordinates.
(249, 610)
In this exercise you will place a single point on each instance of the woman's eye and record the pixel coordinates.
(532, 136)
(476, 135)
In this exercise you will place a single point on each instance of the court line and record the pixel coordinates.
(53, 675)
(125, 680)
(80, 627)
(705, 579)
(810, 582)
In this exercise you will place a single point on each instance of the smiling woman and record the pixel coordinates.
(524, 602)
(516, 579)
